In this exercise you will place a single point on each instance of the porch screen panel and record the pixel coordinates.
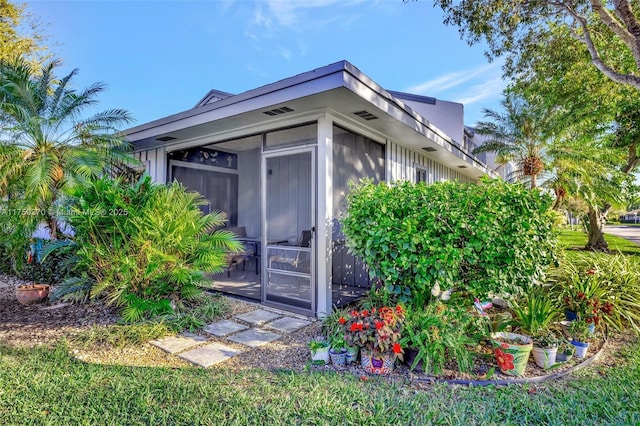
(219, 189)
(354, 157)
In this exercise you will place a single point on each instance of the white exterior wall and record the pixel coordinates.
(155, 162)
(401, 164)
(446, 116)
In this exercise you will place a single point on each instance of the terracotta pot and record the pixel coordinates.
(29, 295)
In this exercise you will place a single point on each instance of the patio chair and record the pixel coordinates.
(294, 259)
(235, 259)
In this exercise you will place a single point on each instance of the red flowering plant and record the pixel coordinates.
(582, 295)
(376, 329)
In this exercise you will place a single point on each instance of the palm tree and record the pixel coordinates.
(46, 147)
(518, 134)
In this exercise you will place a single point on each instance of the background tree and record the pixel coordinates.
(518, 134)
(46, 146)
(20, 33)
(508, 26)
(601, 115)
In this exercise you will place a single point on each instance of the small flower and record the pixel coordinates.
(505, 361)
(397, 348)
(365, 313)
(342, 320)
(591, 272)
(379, 325)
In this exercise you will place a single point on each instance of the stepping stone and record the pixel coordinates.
(54, 307)
(258, 317)
(179, 343)
(207, 355)
(287, 324)
(224, 328)
(254, 337)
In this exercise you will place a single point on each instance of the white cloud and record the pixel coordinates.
(287, 19)
(449, 80)
(489, 89)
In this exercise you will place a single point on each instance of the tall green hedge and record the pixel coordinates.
(478, 239)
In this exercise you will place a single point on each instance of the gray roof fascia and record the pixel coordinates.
(411, 97)
(426, 125)
(147, 129)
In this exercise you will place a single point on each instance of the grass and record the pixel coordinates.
(573, 240)
(44, 386)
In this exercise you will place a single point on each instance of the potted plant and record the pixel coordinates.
(545, 348)
(535, 317)
(580, 335)
(511, 351)
(319, 350)
(338, 351)
(28, 294)
(376, 331)
(565, 352)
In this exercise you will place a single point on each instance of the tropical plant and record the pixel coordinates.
(315, 345)
(602, 289)
(333, 329)
(518, 134)
(421, 242)
(145, 248)
(47, 147)
(535, 313)
(612, 279)
(579, 331)
(439, 333)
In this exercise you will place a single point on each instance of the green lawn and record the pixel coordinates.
(43, 386)
(577, 239)
(49, 387)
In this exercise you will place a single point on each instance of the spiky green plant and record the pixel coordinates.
(145, 248)
(536, 312)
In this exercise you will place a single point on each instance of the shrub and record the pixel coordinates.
(145, 247)
(609, 284)
(440, 332)
(483, 238)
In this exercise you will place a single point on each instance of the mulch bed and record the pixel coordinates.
(45, 324)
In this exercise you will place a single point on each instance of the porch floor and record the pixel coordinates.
(246, 284)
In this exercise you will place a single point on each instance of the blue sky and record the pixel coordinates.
(161, 57)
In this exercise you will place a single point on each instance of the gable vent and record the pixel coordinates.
(278, 111)
(366, 115)
(165, 138)
(429, 149)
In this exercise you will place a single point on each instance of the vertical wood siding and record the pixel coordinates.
(403, 166)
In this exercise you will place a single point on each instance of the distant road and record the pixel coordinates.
(631, 233)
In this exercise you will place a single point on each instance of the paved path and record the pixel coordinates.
(252, 330)
(631, 233)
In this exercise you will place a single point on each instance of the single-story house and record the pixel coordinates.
(632, 216)
(277, 160)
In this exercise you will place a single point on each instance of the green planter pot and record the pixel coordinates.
(512, 356)
(352, 354)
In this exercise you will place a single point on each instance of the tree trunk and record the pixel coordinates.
(52, 224)
(533, 181)
(597, 220)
